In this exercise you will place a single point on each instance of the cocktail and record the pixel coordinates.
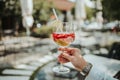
(63, 35)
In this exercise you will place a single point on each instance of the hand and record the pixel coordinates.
(72, 55)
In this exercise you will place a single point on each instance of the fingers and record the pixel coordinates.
(67, 56)
(67, 50)
(61, 59)
(70, 51)
(64, 49)
(64, 57)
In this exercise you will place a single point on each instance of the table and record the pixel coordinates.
(46, 73)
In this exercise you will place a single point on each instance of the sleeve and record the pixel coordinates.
(97, 74)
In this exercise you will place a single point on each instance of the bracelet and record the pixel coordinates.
(86, 69)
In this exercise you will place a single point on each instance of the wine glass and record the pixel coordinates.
(63, 35)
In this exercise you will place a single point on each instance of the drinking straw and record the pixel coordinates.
(55, 13)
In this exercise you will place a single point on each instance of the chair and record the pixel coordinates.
(114, 51)
(117, 75)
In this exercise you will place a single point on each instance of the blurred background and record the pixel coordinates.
(26, 44)
(86, 13)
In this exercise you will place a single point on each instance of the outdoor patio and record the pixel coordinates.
(28, 49)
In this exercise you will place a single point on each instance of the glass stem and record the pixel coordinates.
(61, 67)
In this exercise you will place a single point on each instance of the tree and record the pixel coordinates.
(111, 9)
(90, 12)
(42, 10)
(9, 8)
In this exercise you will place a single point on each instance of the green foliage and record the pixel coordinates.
(10, 7)
(90, 12)
(42, 10)
(111, 9)
(43, 32)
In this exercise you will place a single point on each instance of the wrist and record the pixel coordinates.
(85, 71)
(83, 64)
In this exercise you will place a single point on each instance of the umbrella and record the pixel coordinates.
(80, 9)
(27, 9)
(64, 5)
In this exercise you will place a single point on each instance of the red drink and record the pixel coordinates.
(63, 39)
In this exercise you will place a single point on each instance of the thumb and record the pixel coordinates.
(67, 56)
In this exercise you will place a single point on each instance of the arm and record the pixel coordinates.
(97, 74)
(73, 55)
